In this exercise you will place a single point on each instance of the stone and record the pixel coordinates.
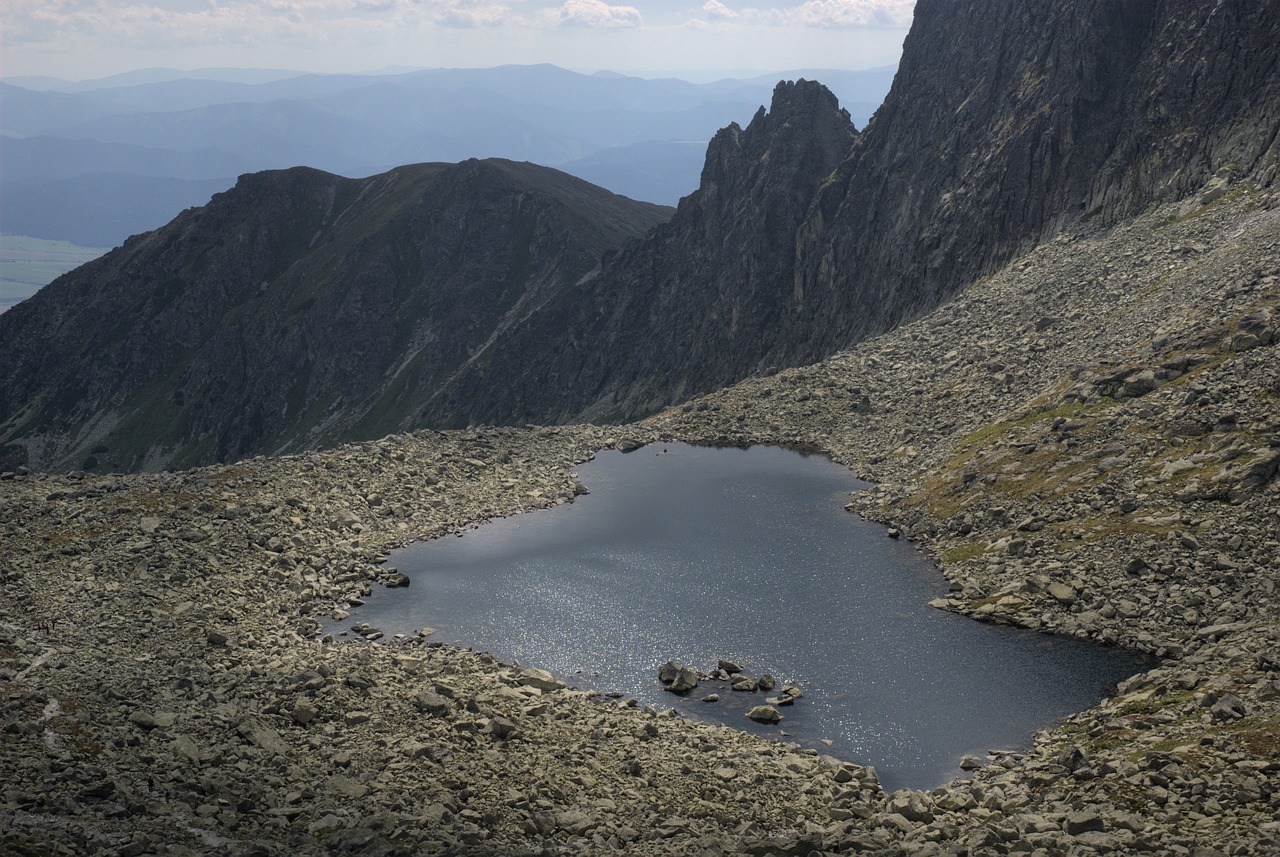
(1215, 631)
(765, 714)
(1083, 821)
(1062, 593)
(346, 787)
(911, 805)
(576, 822)
(345, 519)
(1072, 758)
(186, 748)
(728, 667)
(325, 826)
(499, 727)
(262, 736)
(430, 702)
(142, 719)
(541, 679)
(1227, 708)
(684, 681)
(1138, 384)
(667, 672)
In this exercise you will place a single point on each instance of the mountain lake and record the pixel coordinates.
(694, 554)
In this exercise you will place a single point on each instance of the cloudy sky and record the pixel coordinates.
(78, 39)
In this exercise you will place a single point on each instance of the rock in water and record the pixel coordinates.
(667, 672)
(685, 680)
(765, 714)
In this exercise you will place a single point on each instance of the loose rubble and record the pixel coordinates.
(1087, 443)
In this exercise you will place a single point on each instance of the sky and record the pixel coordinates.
(84, 39)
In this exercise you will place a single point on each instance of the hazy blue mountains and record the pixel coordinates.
(93, 162)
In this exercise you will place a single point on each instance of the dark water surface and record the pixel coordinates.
(696, 553)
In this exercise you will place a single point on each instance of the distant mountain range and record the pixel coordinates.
(94, 162)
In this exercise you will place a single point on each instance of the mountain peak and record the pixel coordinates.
(801, 138)
(802, 97)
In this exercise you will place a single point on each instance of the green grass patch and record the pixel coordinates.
(1157, 703)
(964, 553)
(1262, 739)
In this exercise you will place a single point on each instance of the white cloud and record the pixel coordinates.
(842, 14)
(89, 38)
(166, 24)
(716, 9)
(822, 14)
(595, 13)
(469, 13)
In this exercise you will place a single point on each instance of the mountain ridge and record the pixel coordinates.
(805, 236)
(928, 198)
(291, 307)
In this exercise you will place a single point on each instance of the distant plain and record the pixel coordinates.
(27, 264)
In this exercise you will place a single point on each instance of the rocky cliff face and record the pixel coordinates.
(702, 301)
(1008, 121)
(297, 309)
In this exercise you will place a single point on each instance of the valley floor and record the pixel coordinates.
(28, 264)
(1087, 442)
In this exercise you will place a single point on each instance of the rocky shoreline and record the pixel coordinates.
(1086, 442)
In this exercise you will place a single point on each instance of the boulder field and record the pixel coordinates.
(1087, 442)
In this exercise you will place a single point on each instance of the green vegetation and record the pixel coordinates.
(964, 553)
(1262, 739)
(27, 264)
